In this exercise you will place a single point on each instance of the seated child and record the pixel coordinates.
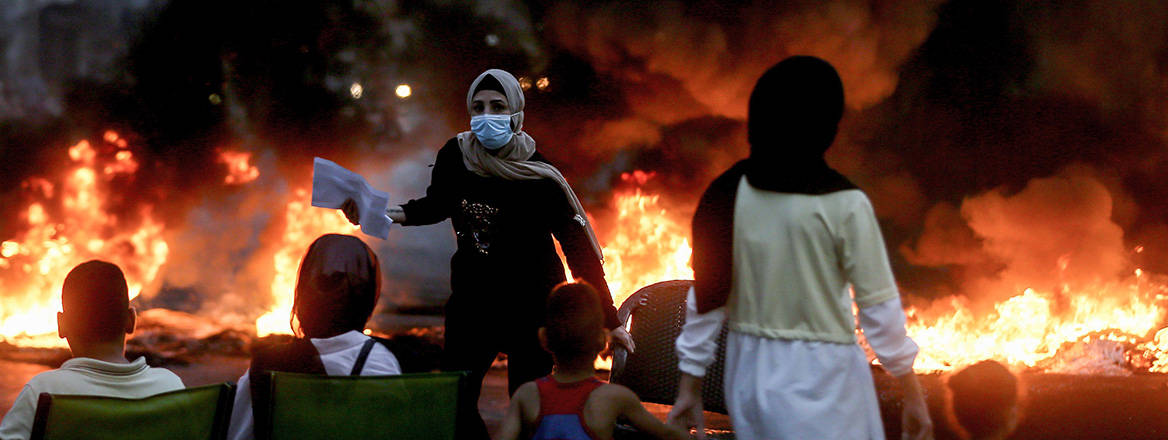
(571, 403)
(96, 317)
(337, 288)
(983, 399)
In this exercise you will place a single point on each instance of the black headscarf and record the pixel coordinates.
(793, 118)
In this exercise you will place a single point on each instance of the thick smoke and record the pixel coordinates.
(1055, 234)
(1000, 99)
(675, 63)
(964, 119)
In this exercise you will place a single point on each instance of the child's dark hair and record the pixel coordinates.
(95, 300)
(337, 288)
(574, 323)
(983, 397)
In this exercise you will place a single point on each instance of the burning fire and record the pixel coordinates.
(1035, 328)
(646, 244)
(69, 223)
(239, 168)
(1109, 326)
(1031, 328)
(303, 224)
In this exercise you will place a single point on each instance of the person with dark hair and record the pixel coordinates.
(571, 403)
(983, 401)
(95, 318)
(506, 202)
(780, 243)
(336, 291)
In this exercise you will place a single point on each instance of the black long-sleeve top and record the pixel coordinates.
(506, 262)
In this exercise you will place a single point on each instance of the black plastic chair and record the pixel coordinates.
(657, 312)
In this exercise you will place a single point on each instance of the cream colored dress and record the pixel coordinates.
(793, 367)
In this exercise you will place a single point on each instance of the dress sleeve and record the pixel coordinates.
(436, 204)
(883, 326)
(568, 229)
(17, 424)
(698, 341)
(864, 259)
(865, 262)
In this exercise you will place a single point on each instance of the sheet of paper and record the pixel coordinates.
(332, 184)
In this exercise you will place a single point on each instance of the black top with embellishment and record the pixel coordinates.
(506, 261)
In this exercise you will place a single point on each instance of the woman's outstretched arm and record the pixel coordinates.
(436, 205)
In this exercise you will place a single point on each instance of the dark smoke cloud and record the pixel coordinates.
(681, 73)
(1003, 95)
(954, 110)
(1055, 233)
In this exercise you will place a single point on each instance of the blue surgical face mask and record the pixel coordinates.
(493, 131)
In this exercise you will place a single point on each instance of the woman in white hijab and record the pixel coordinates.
(506, 202)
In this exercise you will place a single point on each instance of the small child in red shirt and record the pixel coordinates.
(571, 403)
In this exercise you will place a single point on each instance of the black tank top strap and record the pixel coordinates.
(360, 364)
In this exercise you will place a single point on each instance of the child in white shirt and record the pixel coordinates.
(95, 318)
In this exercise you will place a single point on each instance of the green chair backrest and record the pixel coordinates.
(408, 406)
(200, 413)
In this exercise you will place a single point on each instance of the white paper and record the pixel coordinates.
(332, 184)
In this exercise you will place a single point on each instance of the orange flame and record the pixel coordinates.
(303, 224)
(1030, 328)
(239, 168)
(33, 264)
(646, 243)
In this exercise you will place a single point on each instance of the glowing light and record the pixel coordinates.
(645, 244)
(303, 224)
(525, 83)
(215, 99)
(1103, 328)
(403, 91)
(9, 249)
(1031, 328)
(239, 168)
(542, 83)
(356, 90)
(112, 137)
(82, 152)
(1139, 249)
(492, 40)
(637, 176)
(82, 228)
(124, 162)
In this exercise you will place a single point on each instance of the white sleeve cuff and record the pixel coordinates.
(883, 326)
(698, 341)
(691, 368)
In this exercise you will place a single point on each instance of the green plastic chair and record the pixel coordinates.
(200, 413)
(408, 406)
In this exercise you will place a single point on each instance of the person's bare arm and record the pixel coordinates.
(636, 414)
(512, 425)
(915, 422)
(687, 409)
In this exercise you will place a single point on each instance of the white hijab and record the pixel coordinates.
(512, 162)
